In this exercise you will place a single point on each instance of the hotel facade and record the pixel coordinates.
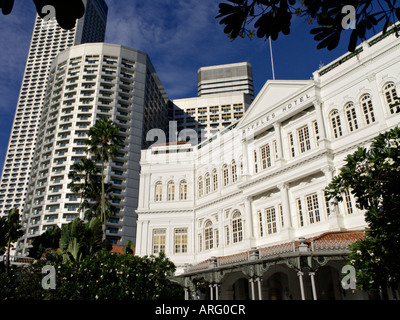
(244, 214)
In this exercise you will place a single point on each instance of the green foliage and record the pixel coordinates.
(373, 176)
(129, 247)
(47, 241)
(10, 231)
(79, 240)
(103, 276)
(272, 18)
(3, 240)
(104, 144)
(87, 182)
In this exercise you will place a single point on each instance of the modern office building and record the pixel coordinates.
(228, 78)
(208, 115)
(224, 94)
(48, 40)
(244, 215)
(88, 82)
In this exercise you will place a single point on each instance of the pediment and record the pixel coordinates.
(275, 93)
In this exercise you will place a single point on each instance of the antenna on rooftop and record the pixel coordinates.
(272, 59)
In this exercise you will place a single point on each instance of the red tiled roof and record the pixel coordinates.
(340, 236)
(119, 249)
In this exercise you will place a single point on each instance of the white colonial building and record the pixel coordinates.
(244, 214)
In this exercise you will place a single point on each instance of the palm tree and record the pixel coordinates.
(13, 231)
(82, 177)
(103, 144)
(92, 202)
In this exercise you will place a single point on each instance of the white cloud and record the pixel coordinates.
(180, 36)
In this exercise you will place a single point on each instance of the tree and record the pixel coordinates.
(101, 276)
(372, 176)
(270, 18)
(45, 242)
(103, 144)
(10, 231)
(66, 12)
(80, 240)
(3, 240)
(82, 175)
(86, 181)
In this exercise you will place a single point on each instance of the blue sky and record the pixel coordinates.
(180, 36)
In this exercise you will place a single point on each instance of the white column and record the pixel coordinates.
(246, 167)
(249, 218)
(252, 288)
(300, 274)
(259, 288)
(314, 291)
(328, 172)
(284, 189)
(186, 294)
(320, 120)
(216, 291)
(278, 137)
(211, 292)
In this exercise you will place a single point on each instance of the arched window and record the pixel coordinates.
(208, 183)
(351, 116)
(336, 124)
(183, 187)
(208, 235)
(225, 174)
(171, 191)
(215, 179)
(237, 227)
(234, 171)
(200, 187)
(158, 191)
(390, 93)
(368, 109)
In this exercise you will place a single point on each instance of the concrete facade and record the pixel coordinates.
(48, 40)
(88, 82)
(227, 78)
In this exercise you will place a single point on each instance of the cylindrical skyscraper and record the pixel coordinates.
(48, 40)
(88, 82)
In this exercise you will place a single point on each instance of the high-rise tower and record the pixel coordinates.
(86, 83)
(48, 40)
(227, 78)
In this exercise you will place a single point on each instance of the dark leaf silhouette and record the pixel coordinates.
(6, 6)
(271, 18)
(67, 12)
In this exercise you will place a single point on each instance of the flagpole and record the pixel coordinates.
(272, 58)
